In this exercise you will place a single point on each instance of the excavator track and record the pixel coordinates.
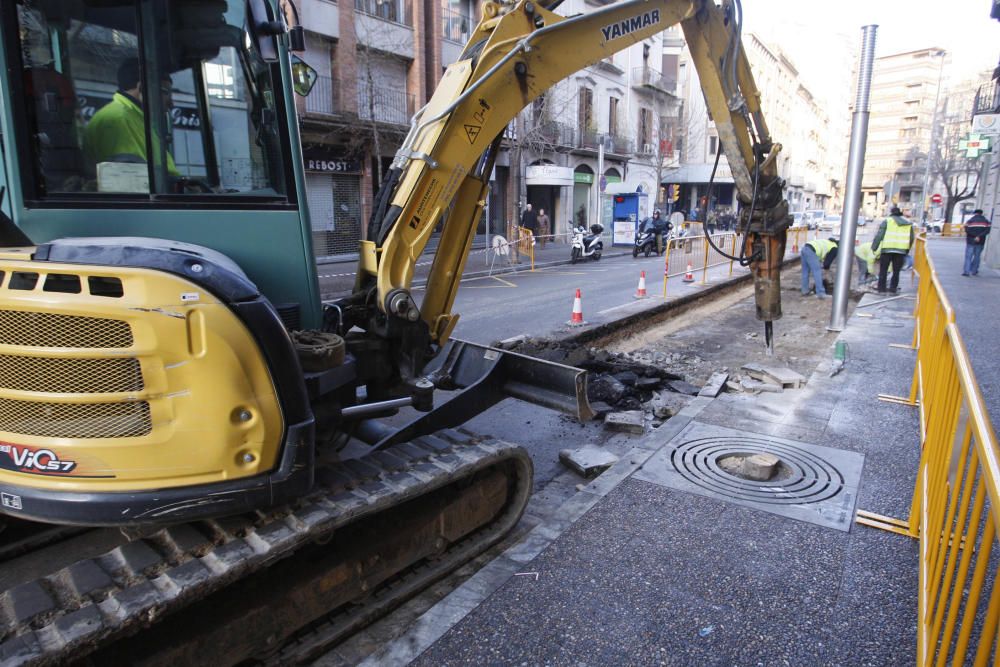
(280, 585)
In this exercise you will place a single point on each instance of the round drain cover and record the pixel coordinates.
(807, 479)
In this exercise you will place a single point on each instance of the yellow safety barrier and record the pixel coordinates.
(955, 511)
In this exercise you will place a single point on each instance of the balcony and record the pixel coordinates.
(384, 105)
(321, 98)
(987, 99)
(590, 140)
(553, 132)
(393, 11)
(649, 78)
(608, 65)
(455, 27)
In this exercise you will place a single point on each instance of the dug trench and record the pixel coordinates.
(643, 368)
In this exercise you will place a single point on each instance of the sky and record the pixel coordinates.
(822, 37)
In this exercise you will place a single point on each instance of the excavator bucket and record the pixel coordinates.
(484, 376)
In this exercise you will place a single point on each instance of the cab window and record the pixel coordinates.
(134, 99)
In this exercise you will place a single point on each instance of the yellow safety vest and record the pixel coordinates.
(865, 253)
(822, 247)
(897, 236)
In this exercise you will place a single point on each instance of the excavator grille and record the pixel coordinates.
(70, 376)
(44, 417)
(19, 327)
(75, 420)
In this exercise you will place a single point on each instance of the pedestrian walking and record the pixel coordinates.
(817, 256)
(529, 227)
(893, 241)
(543, 227)
(977, 228)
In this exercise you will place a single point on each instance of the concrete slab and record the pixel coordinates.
(588, 461)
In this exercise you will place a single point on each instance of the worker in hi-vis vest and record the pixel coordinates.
(866, 259)
(817, 255)
(893, 240)
(117, 132)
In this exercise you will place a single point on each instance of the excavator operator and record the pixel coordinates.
(117, 132)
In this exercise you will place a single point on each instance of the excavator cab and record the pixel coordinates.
(164, 354)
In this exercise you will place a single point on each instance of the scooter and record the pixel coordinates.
(587, 245)
(645, 242)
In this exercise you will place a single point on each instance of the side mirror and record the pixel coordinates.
(303, 76)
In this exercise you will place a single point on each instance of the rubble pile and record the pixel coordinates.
(631, 389)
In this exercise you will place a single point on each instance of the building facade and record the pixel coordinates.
(377, 62)
(812, 159)
(610, 123)
(905, 97)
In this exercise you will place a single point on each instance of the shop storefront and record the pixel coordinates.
(333, 191)
(545, 183)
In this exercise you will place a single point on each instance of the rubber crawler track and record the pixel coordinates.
(79, 608)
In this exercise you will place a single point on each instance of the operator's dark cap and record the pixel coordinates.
(835, 239)
(895, 211)
(978, 211)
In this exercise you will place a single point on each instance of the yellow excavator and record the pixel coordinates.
(174, 396)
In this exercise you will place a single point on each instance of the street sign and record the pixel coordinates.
(986, 123)
(936, 199)
(974, 145)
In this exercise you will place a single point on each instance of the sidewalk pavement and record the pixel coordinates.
(645, 567)
(976, 300)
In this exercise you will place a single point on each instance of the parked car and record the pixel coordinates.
(798, 219)
(829, 222)
(933, 226)
(812, 217)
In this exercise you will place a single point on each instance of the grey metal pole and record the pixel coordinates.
(852, 189)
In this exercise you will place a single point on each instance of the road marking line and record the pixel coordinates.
(610, 310)
(506, 284)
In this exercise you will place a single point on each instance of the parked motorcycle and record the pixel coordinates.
(587, 245)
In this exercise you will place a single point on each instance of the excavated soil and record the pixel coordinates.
(729, 336)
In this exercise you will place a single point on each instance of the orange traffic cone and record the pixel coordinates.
(576, 319)
(689, 274)
(640, 292)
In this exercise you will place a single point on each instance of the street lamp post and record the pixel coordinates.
(930, 148)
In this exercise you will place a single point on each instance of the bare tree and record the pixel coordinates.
(949, 165)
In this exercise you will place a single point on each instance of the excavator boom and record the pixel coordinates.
(517, 53)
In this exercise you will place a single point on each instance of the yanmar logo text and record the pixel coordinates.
(630, 25)
(34, 460)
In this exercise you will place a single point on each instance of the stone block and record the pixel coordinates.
(667, 404)
(588, 461)
(760, 467)
(630, 421)
(682, 387)
(714, 385)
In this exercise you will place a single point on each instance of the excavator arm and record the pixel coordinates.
(441, 173)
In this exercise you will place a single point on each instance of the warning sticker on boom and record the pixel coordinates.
(472, 132)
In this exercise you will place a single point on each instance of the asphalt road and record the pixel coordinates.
(540, 303)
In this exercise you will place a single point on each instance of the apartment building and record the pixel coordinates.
(905, 96)
(626, 102)
(377, 61)
(812, 160)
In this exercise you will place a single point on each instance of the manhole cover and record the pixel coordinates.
(813, 483)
